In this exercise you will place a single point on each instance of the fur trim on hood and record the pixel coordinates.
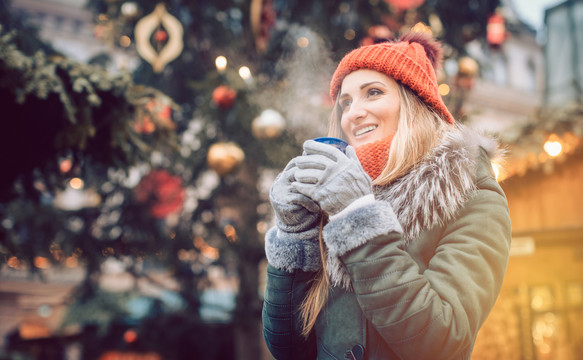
(431, 193)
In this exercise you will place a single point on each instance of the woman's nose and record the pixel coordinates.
(356, 112)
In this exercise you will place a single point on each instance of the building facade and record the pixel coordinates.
(538, 314)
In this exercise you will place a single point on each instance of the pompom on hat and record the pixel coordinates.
(411, 60)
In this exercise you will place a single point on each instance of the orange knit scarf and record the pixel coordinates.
(373, 156)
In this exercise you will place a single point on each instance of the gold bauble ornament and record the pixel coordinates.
(224, 157)
(268, 125)
(467, 66)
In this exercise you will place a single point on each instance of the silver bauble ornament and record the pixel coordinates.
(268, 125)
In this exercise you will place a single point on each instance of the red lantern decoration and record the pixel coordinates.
(162, 191)
(496, 30)
(224, 97)
(402, 5)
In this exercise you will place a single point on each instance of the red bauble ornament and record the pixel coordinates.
(224, 97)
(162, 191)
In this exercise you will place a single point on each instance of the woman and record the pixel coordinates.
(398, 248)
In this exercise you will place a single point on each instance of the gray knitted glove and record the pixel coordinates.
(329, 177)
(294, 212)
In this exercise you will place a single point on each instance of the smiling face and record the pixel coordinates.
(370, 105)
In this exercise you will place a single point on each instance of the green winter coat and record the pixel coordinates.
(415, 273)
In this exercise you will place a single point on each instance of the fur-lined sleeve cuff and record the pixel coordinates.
(353, 230)
(360, 225)
(358, 203)
(293, 251)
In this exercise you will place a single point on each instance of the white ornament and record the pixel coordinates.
(268, 125)
(144, 29)
(129, 9)
(76, 199)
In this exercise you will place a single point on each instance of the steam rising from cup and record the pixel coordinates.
(306, 67)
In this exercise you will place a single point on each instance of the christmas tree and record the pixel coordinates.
(166, 170)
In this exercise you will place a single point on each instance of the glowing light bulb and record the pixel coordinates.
(303, 42)
(421, 28)
(244, 72)
(443, 89)
(349, 34)
(125, 41)
(41, 262)
(553, 148)
(221, 63)
(14, 262)
(76, 183)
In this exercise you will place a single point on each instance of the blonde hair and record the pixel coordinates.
(419, 130)
(318, 292)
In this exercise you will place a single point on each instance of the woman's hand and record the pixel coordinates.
(294, 211)
(329, 177)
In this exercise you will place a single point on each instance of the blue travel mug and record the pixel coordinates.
(337, 143)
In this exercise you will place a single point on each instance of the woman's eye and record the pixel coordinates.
(344, 104)
(374, 92)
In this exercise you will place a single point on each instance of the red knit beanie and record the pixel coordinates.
(411, 60)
